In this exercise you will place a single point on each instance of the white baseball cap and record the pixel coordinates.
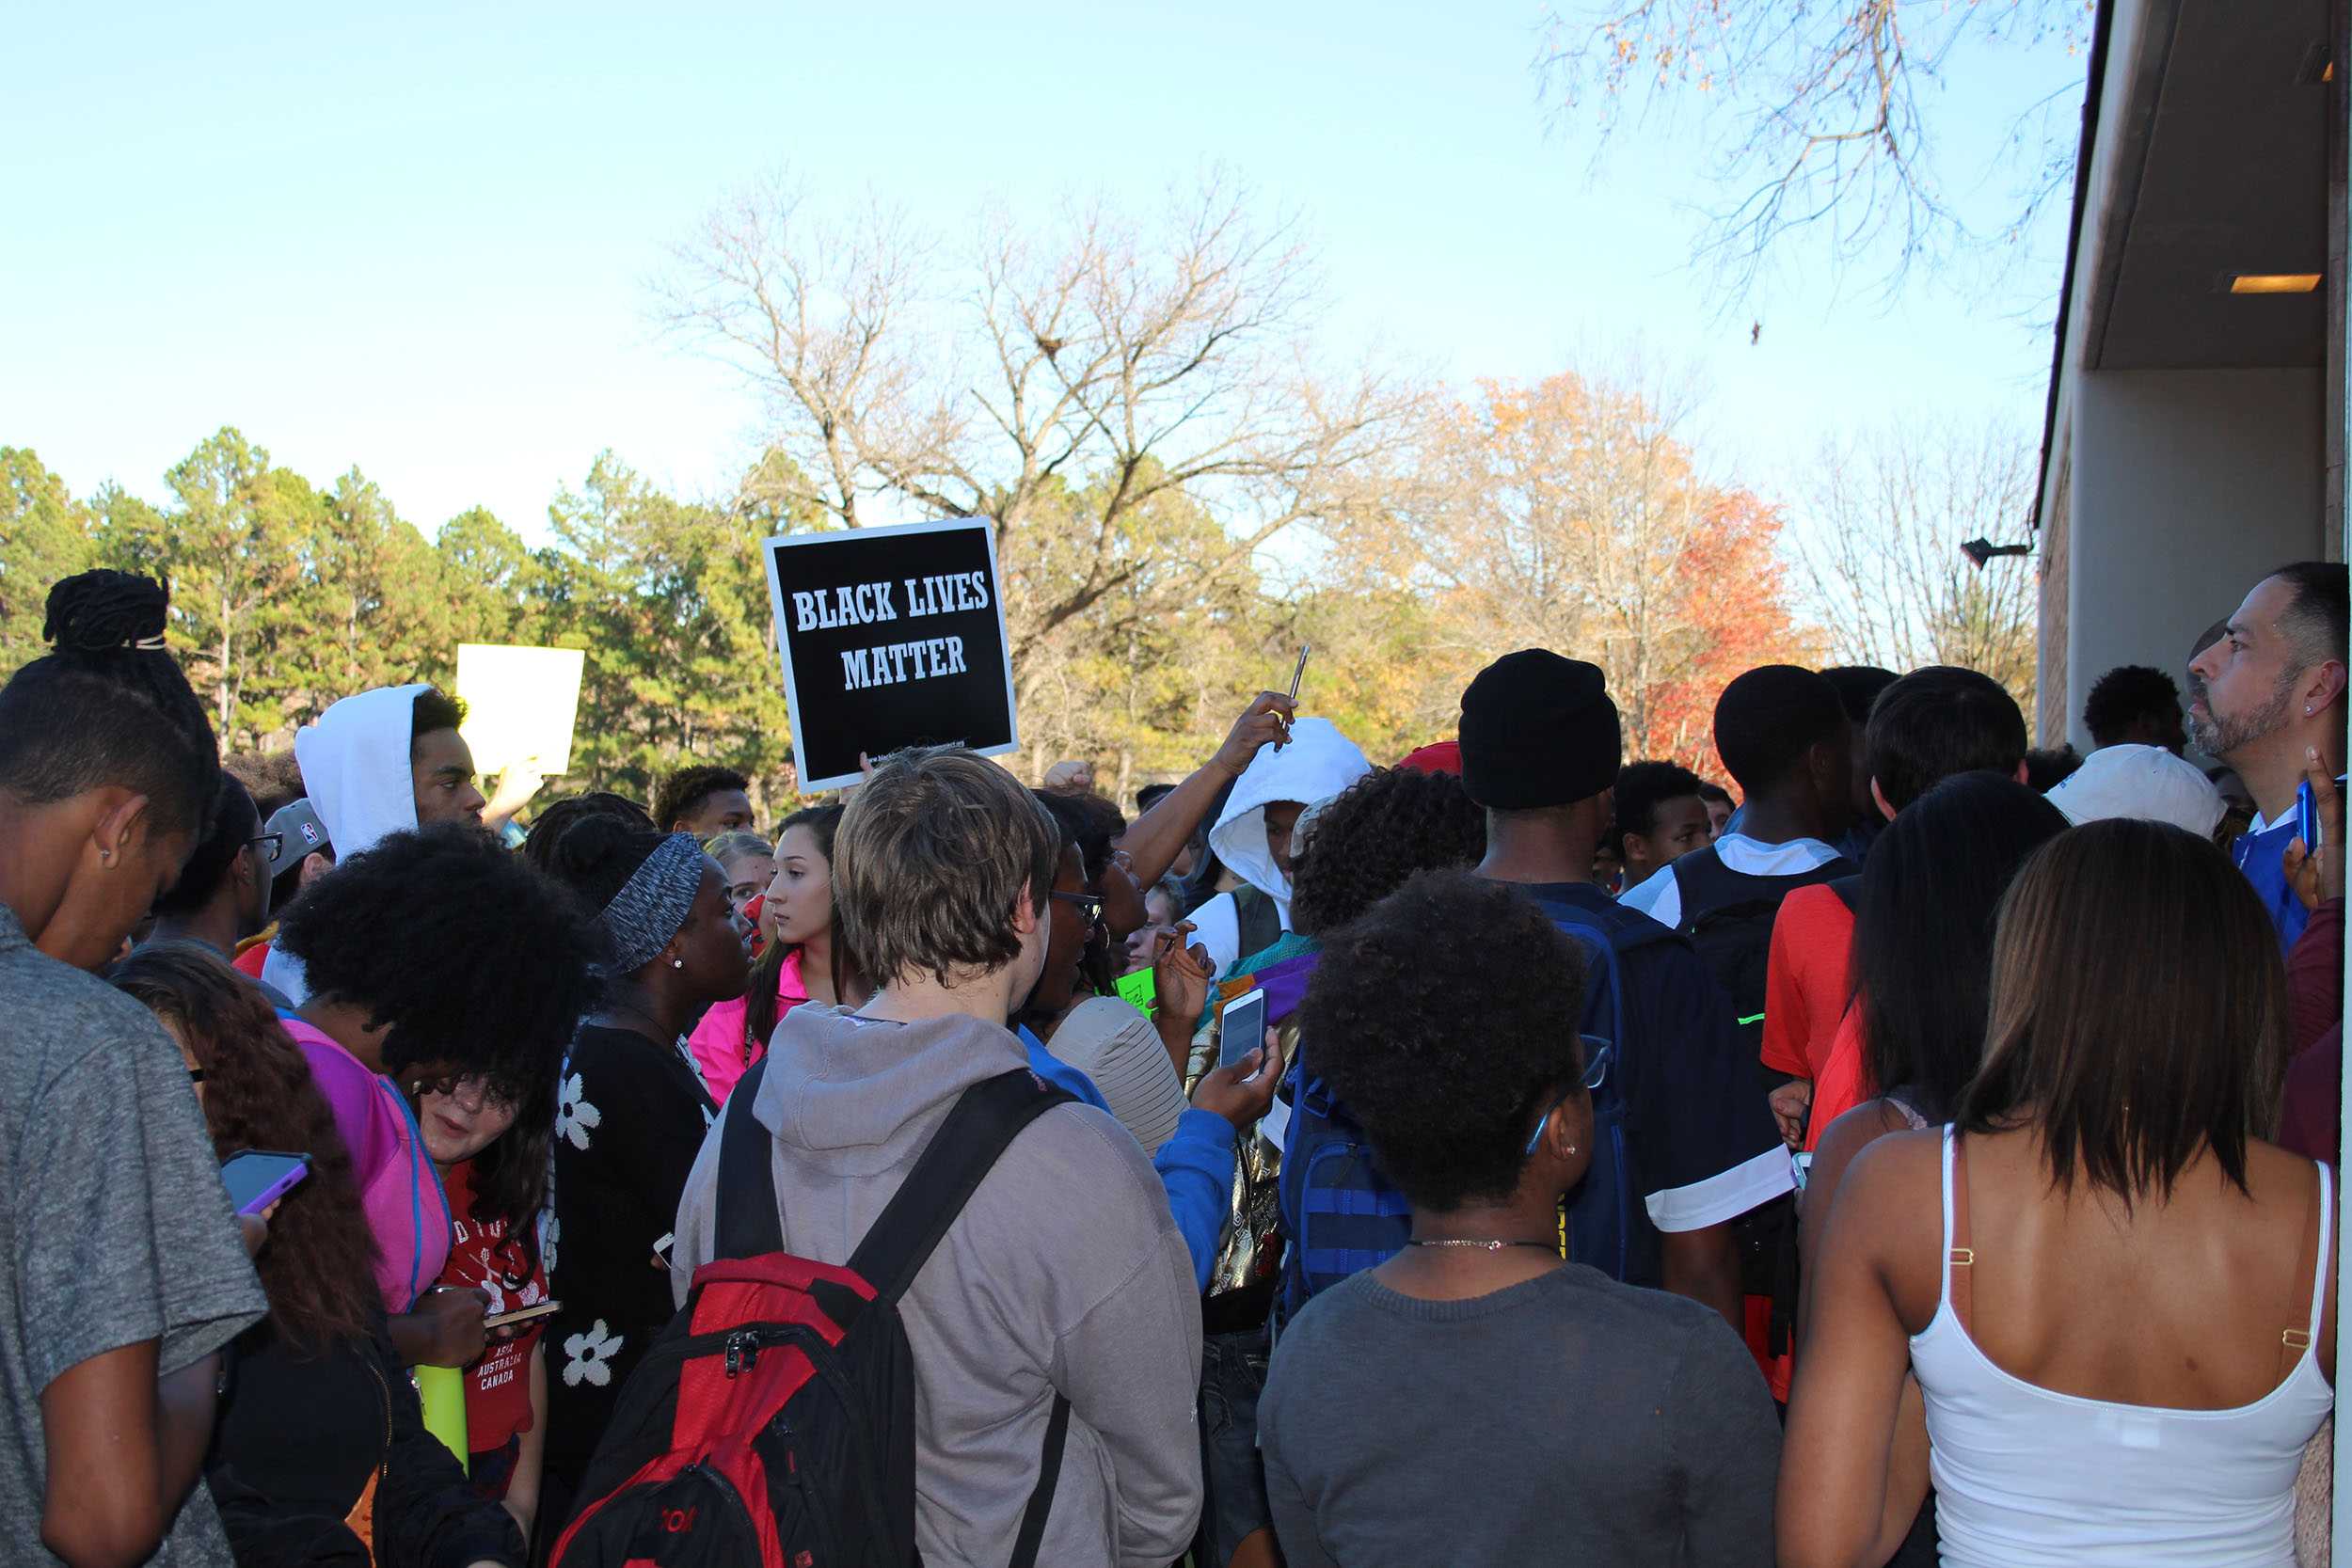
(2145, 782)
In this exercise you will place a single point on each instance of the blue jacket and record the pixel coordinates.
(1196, 1164)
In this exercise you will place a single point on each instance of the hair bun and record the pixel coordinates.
(594, 855)
(96, 613)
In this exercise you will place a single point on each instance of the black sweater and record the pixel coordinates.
(297, 1439)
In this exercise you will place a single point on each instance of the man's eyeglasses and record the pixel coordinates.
(1091, 903)
(271, 845)
(1598, 1055)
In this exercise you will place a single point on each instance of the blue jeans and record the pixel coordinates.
(1233, 1375)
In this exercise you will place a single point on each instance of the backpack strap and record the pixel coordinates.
(1257, 919)
(748, 1223)
(1849, 891)
(1024, 1546)
(983, 1122)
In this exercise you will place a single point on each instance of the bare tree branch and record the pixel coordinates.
(1067, 383)
(1816, 115)
(1879, 548)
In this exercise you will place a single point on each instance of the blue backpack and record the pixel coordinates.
(1342, 1217)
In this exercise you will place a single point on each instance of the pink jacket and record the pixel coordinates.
(399, 1190)
(722, 1054)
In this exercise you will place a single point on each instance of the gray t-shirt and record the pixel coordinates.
(117, 1228)
(1568, 1420)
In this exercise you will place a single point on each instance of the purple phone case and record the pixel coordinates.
(276, 1190)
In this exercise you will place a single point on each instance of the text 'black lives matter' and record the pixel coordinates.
(891, 637)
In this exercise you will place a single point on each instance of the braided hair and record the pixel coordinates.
(552, 821)
(108, 706)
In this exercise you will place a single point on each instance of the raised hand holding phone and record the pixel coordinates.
(1240, 1027)
(1265, 721)
(1242, 1090)
(2314, 862)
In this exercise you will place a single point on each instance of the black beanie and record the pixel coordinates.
(1538, 729)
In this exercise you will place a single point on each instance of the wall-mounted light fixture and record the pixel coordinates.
(1980, 551)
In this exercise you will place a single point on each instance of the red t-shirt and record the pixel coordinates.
(1807, 984)
(483, 1256)
(1810, 1032)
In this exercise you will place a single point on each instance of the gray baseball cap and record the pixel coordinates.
(299, 833)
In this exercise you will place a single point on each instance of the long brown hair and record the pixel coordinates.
(2139, 1009)
(849, 980)
(318, 1270)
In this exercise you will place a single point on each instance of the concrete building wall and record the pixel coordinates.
(2054, 559)
(2185, 488)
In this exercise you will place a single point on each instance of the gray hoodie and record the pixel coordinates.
(1064, 1271)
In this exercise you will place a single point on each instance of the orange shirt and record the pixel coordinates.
(1843, 1081)
(1808, 981)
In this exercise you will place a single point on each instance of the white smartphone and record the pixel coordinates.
(1241, 1027)
(523, 1314)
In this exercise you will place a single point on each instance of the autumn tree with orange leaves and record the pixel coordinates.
(1570, 513)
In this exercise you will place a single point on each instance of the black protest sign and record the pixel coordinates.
(891, 637)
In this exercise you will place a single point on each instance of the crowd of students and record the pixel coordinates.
(1900, 1163)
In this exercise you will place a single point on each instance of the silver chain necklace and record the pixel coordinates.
(1548, 1243)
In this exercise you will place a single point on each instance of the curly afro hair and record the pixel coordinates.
(476, 962)
(1372, 836)
(1447, 1078)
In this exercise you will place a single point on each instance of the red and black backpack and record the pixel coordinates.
(774, 1421)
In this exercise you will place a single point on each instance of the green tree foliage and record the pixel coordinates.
(43, 536)
(670, 600)
(287, 596)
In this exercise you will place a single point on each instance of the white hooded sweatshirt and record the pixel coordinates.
(1318, 763)
(354, 764)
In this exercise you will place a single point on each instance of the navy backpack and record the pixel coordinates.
(1342, 1217)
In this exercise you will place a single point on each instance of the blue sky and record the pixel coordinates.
(417, 242)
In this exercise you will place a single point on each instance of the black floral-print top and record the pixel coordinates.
(628, 1124)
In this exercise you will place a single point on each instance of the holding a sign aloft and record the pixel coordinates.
(891, 637)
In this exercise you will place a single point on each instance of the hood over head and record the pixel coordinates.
(1318, 763)
(354, 763)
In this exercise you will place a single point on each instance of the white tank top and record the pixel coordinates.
(2026, 1477)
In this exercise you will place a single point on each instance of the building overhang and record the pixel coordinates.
(2202, 159)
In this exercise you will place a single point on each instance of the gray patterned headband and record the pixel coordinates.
(653, 904)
